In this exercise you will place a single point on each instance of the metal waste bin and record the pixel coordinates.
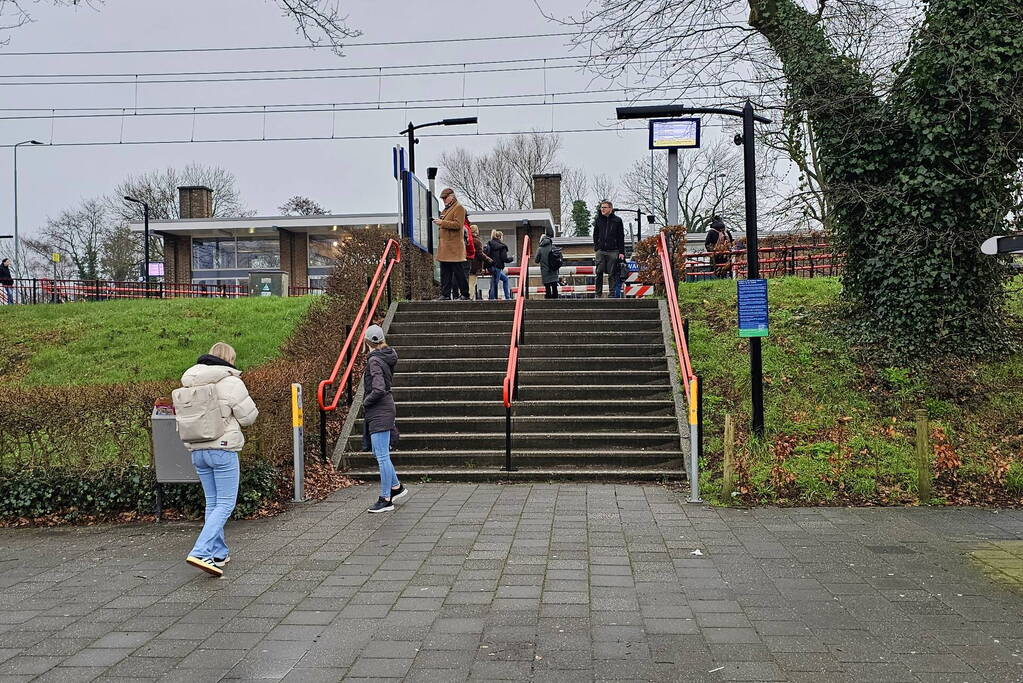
(171, 461)
(268, 283)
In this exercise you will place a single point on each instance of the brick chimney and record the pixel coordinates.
(195, 201)
(547, 194)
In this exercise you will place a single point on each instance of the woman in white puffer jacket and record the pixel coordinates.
(216, 462)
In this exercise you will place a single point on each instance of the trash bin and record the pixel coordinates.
(171, 461)
(268, 283)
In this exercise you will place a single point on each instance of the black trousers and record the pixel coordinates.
(453, 280)
(550, 291)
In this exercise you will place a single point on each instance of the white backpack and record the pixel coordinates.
(197, 412)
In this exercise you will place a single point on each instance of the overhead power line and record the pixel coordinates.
(333, 76)
(255, 48)
(325, 69)
(327, 138)
(320, 109)
(414, 101)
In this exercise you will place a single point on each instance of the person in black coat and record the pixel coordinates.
(379, 413)
(719, 241)
(548, 273)
(608, 245)
(497, 251)
(7, 280)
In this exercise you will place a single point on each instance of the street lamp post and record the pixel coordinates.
(145, 246)
(746, 139)
(412, 140)
(17, 239)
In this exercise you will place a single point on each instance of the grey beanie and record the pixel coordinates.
(374, 334)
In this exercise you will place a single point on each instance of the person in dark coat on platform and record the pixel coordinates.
(379, 431)
(548, 273)
(497, 251)
(7, 281)
(719, 241)
(608, 244)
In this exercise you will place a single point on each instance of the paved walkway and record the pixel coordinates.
(538, 582)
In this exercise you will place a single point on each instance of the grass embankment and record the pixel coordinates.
(135, 341)
(839, 430)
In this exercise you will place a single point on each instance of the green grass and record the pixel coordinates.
(129, 341)
(837, 429)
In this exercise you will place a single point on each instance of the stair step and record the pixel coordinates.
(495, 458)
(410, 475)
(534, 336)
(601, 442)
(538, 392)
(493, 407)
(577, 304)
(506, 313)
(467, 326)
(526, 365)
(526, 424)
(532, 349)
(495, 378)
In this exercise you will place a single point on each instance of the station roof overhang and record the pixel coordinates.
(268, 226)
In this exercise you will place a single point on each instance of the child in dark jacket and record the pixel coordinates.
(498, 253)
(618, 276)
(379, 413)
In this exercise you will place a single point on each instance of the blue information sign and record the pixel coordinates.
(752, 308)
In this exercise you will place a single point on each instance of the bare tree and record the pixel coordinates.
(503, 178)
(603, 187)
(319, 22)
(159, 189)
(38, 262)
(302, 206)
(78, 234)
(574, 187)
(121, 253)
(710, 183)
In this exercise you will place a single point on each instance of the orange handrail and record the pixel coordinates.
(671, 292)
(359, 325)
(510, 382)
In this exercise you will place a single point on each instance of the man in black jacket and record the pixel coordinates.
(608, 244)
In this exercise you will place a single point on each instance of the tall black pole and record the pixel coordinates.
(145, 218)
(411, 131)
(752, 263)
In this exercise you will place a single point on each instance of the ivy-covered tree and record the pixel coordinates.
(918, 162)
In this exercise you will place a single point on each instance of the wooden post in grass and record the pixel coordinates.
(728, 468)
(923, 459)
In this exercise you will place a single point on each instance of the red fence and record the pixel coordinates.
(45, 290)
(805, 260)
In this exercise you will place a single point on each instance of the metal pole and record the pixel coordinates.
(17, 240)
(694, 441)
(753, 263)
(348, 358)
(507, 441)
(411, 130)
(323, 434)
(145, 217)
(298, 433)
(672, 187)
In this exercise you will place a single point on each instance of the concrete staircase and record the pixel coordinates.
(595, 399)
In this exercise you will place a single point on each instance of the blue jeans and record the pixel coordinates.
(495, 275)
(382, 452)
(616, 289)
(9, 295)
(218, 471)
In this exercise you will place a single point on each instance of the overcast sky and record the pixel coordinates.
(345, 176)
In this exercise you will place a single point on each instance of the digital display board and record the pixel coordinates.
(420, 210)
(674, 133)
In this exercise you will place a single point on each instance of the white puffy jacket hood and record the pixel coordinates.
(236, 405)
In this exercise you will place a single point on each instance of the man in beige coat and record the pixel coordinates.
(451, 247)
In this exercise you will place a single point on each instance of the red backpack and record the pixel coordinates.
(470, 246)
